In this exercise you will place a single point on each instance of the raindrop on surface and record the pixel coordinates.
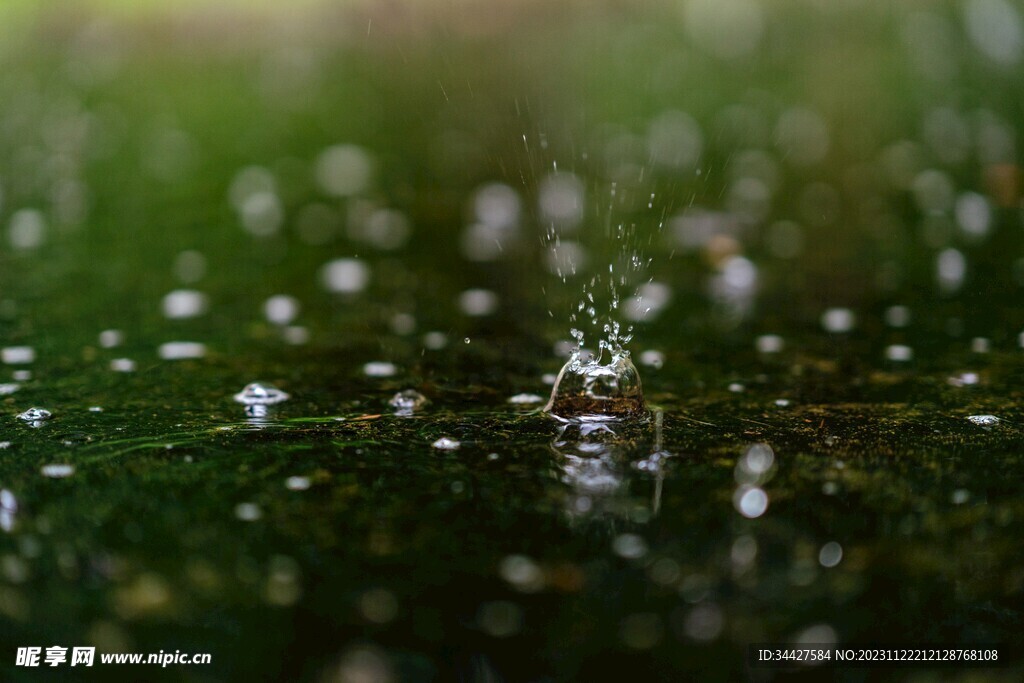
(122, 365)
(181, 350)
(8, 388)
(478, 302)
(652, 359)
(522, 572)
(27, 229)
(435, 341)
(964, 379)
(110, 339)
(57, 471)
(831, 554)
(838, 320)
(297, 483)
(629, 546)
(256, 394)
(296, 335)
(184, 303)
(588, 390)
(522, 399)
(248, 512)
(899, 353)
(897, 316)
(380, 369)
(281, 309)
(983, 420)
(407, 401)
(446, 444)
(35, 415)
(344, 170)
(751, 502)
(769, 343)
(345, 276)
(17, 355)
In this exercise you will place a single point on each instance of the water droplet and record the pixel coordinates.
(256, 394)
(466, 340)
(184, 303)
(521, 399)
(769, 343)
(35, 415)
(500, 619)
(755, 465)
(296, 335)
(297, 483)
(57, 471)
(345, 276)
(344, 170)
(589, 390)
(751, 502)
(407, 401)
(964, 379)
(111, 338)
(478, 302)
(122, 365)
(8, 388)
(897, 316)
(899, 353)
(838, 320)
(629, 546)
(17, 355)
(181, 350)
(983, 420)
(380, 369)
(435, 341)
(830, 555)
(522, 572)
(652, 359)
(446, 444)
(248, 512)
(281, 309)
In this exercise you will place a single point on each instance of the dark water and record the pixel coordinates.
(822, 485)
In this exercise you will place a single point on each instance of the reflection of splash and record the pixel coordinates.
(598, 463)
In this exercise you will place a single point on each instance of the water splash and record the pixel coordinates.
(589, 390)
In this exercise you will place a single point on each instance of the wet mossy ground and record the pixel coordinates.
(332, 533)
